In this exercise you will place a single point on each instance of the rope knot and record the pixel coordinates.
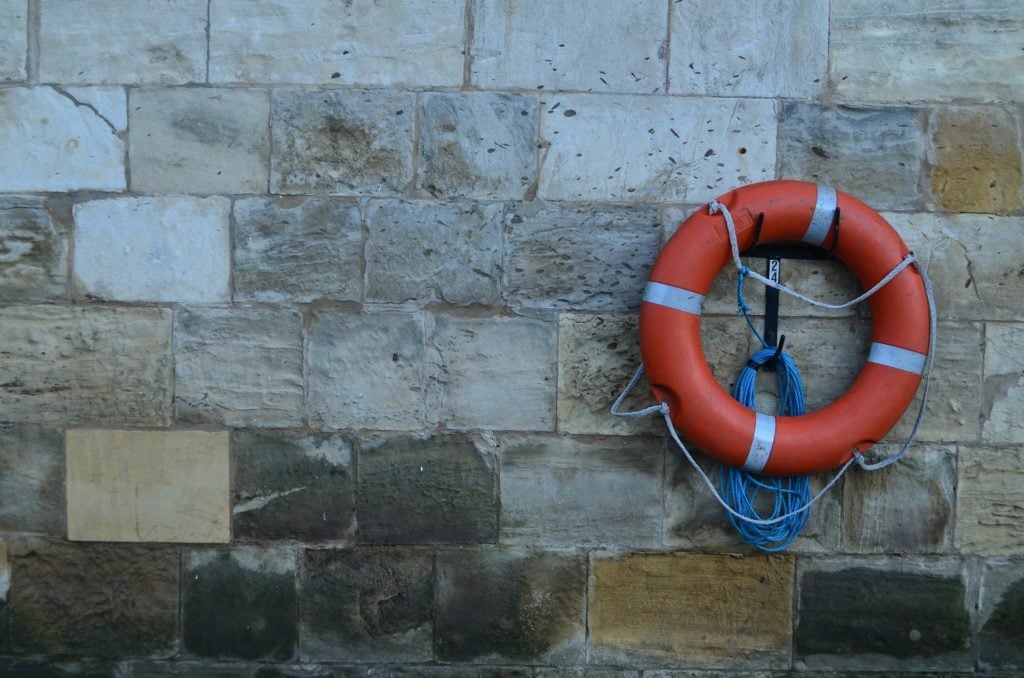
(714, 206)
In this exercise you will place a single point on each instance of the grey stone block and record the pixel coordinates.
(31, 480)
(1003, 387)
(13, 39)
(1001, 635)
(35, 244)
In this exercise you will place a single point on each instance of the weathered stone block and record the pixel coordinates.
(240, 603)
(907, 508)
(886, 615)
(944, 51)
(297, 250)
(366, 371)
(501, 606)
(95, 600)
(976, 160)
(322, 42)
(13, 39)
(150, 486)
(1003, 387)
(289, 486)
(419, 251)
(990, 492)
(153, 249)
(31, 480)
(187, 140)
(664, 149)
(482, 361)
(564, 46)
(873, 153)
(367, 605)
(783, 53)
(238, 367)
(34, 259)
(342, 142)
(448, 671)
(736, 612)
(421, 491)
(62, 144)
(557, 491)
(590, 672)
(1001, 638)
(97, 365)
(98, 41)
(577, 258)
(477, 144)
(110, 102)
(30, 668)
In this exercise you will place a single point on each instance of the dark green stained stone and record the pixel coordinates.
(1001, 639)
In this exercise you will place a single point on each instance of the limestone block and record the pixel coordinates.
(13, 39)
(100, 41)
(97, 365)
(34, 246)
(496, 373)
(31, 480)
(872, 153)
(477, 144)
(147, 486)
(367, 605)
(341, 142)
(95, 600)
(990, 492)
(1003, 388)
(449, 671)
(238, 367)
(324, 42)
(783, 51)
(566, 257)
(187, 140)
(297, 250)
(289, 486)
(420, 491)
(565, 46)
(699, 610)
(510, 606)
(946, 50)
(907, 508)
(425, 251)
(883, 615)
(63, 145)
(240, 603)
(558, 491)
(110, 103)
(663, 149)
(976, 159)
(1001, 639)
(173, 248)
(366, 371)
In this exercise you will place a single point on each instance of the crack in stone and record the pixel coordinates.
(261, 501)
(83, 104)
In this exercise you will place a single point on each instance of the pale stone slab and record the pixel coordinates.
(496, 373)
(101, 41)
(560, 256)
(342, 142)
(13, 39)
(325, 42)
(927, 50)
(764, 49)
(148, 486)
(238, 367)
(535, 44)
(31, 480)
(420, 251)
(663, 149)
(297, 250)
(366, 371)
(990, 492)
(33, 251)
(477, 144)
(173, 248)
(1003, 384)
(561, 492)
(187, 140)
(74, 365)
(111, 103)
(62, 145)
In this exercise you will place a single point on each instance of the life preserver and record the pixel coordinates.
(673, 358)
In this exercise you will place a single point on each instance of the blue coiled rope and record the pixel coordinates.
(750, 494)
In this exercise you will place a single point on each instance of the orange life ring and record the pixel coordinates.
(670, 343)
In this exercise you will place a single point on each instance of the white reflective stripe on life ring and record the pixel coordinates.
(761, 445)
(899, 358)
(821, 220)
(673, 297)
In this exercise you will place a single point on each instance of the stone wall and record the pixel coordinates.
(311, 314)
